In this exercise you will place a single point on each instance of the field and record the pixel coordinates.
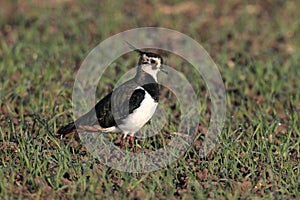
(254, 45)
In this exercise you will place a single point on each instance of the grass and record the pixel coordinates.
(256, 48)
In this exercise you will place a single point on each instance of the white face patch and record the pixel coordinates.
(151, 65)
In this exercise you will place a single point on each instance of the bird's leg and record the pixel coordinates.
(122, 143)
(131, 142)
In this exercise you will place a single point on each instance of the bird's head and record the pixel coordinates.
(150, 63)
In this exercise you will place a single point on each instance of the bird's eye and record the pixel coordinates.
(153, 62)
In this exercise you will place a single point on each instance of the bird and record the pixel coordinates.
(128, 107)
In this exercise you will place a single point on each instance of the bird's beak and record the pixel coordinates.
(163, 70)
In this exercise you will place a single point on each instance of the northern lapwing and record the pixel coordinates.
(128, 107)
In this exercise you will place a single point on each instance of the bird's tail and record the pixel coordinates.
(66, 129)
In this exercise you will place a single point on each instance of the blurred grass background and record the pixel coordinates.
(255, 44)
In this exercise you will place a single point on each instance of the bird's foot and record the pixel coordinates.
(131, 142)
(122, 143)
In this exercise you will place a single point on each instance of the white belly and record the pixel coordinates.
(140, 116)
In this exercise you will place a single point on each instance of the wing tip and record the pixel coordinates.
(66, 129)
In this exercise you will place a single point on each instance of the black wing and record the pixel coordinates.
(107, 112)
(98, 115)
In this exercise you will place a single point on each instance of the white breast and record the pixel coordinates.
(140, 116)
